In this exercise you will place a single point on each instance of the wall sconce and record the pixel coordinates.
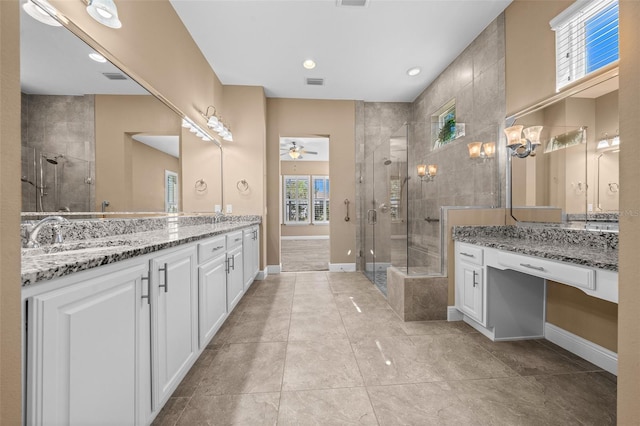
(427, 172)
(216, 124)
(523, 147)
(41, 12)
(606, 142)
(105, 12)
(481, 150)
(195, 129)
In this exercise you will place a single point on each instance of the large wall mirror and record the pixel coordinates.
(94, 140)
(573, 177)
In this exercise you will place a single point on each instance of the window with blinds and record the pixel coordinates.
(320, 199)
(170, 191)
(296, 200)
(586, 39)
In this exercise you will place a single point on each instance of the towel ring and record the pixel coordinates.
(242, 185)
(201, 185)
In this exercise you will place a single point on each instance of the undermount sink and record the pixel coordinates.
(87, 246)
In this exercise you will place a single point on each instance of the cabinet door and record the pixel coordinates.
(83, 348)
(235, 281)
(250, 257)
(472, 291)
(212, 298)
(256, 252)
(174, 292)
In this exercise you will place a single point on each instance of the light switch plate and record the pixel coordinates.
(218, 208)
(229, 208)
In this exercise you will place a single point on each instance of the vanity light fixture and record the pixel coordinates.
(41, 12)
(216, 124)
(481, 150)
(616, 139)
(412, 72)
(523, 147)
(105, 12)
(195, 129)
(309, 64)
(603, 143)
(97, 57)
(427, 172)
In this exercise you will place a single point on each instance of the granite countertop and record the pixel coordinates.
(594, 249)
(52, 261)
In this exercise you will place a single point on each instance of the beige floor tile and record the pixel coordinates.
(514, 401)
(277, 305)
(274, 288)
(171, 411)
(352, 287)
(187, 387)
(313, 302)
(302, 277)
(312, 287)
(260, 327)
(372, 323)
(529, 357)
(249, 409)
(321, 325)
(403, 359)
(583, 363)
(338, 407)
(589, 397)
(320, 365)
(361, 301)
(437, 327)
(245, 368)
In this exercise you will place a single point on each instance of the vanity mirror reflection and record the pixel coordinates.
(94, 140)
(573, 176)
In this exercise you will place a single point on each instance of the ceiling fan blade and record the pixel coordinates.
(311, 152)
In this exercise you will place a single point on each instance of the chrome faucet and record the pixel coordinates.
(32, 234)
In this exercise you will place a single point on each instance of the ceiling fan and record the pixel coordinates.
(295, 151)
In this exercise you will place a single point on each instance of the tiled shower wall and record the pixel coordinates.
(476, 80)
(61, 128)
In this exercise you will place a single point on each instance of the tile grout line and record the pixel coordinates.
(286, 349)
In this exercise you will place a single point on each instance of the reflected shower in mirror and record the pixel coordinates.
(574, 176)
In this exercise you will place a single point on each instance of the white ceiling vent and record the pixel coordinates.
(361, 3)
(114, 76)
(315, 81)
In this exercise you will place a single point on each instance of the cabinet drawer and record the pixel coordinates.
(211, 248)
(573, 275)
(234, 239)
(469, 253)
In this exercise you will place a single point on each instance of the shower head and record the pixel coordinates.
(53, 160)
(386, 161)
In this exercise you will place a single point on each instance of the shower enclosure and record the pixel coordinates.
(399, 226)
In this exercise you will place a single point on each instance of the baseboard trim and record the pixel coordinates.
(274, 269)
(453, 314)
(596, 354)
(305, 237)
(262, 274)
(342, 267)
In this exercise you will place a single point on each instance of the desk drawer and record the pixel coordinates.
(211, 248)
(573, 275)
(469, 253)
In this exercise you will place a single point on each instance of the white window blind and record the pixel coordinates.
(170, 191)
(296, 199)
(320, 199)
(586, 39)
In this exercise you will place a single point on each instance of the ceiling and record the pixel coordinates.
(169, 144)
(362, 53)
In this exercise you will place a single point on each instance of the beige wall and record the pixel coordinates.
(530, 52)
(148, 184)
(116, 118)
(10, 358)
(629, 267)
(310, 168)
(199, 160)
(335, 120)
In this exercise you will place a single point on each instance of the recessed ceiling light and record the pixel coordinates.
(414, 71)
(309, 64)
(97, 57)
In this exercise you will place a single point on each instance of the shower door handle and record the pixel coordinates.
(372, 216)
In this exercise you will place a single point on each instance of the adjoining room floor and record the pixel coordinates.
(325, 348)
(304, 255)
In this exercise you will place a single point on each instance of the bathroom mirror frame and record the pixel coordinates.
(95, 45)
(602, 77)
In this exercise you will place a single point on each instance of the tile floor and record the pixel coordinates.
(304, 255)
(321, 348)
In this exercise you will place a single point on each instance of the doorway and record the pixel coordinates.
(305, 204)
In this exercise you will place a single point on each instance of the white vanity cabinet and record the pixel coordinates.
(235, 270)
(251, 255)
(212, 287)
(174, 319)
(470, 290)
(87, 343)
